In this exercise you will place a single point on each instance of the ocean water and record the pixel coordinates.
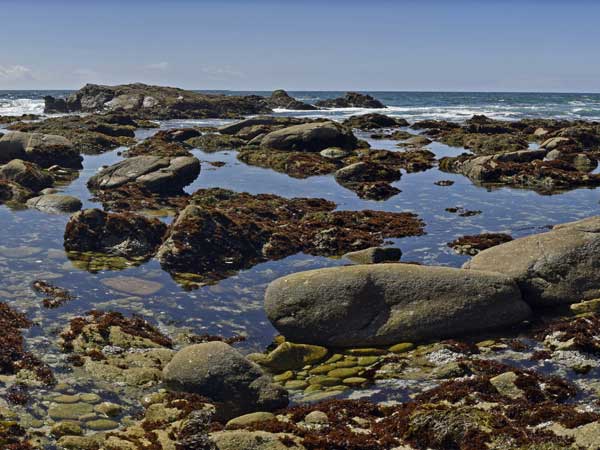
(412, 106)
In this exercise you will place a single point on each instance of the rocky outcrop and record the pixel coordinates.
(222, 231)
(153, 173)
(281, 99)
(369, 180)
(266, 121)
(128, 235)
(374, 121)
(351, 100)
(159, 102)
(220, 373)
(55, 203)
(310, 137)
(553, 268)
(382, 304)
(89, 134)
(26, 174)
(45, 150)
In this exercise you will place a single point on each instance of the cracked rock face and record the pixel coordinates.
(553, 268)
(154, 173)
(383, 304)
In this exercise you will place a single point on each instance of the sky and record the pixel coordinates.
(369, 45)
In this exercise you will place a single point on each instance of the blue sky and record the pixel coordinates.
(303, 45)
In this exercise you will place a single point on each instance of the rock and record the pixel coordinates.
(248, 419)
(375, 255)
(28, 175)
(554, 143)
(109, 409)
(133, 285)
(215, 141)
(254, 440)
(310, 137)
(334, 153)
(66, 428)
(102, 424)
(221, 231)
(505, 385)
(157, 102)
(552, 268)
(217, 371)
(13, 192)
(417, 141)
(128, 235)
(351, 100)
(267, 121)
(316, 417)
(587, 306)
(288, 356)
(367, 171)
(373, 121)
(388, 303)
(55, 203)
(401, 347)
(154, 173)
(281, 99)
(43, 149)
(78, 443)
(69, 411)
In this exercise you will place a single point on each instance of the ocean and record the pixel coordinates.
(455, 106)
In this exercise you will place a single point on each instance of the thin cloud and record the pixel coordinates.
(16, 73)
(157, 66)
(222, 73)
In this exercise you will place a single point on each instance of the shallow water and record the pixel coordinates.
(32, 248)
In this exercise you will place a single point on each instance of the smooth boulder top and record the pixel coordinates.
(155, 173)
(552, 268)
(384, 304)
(55, 203)
(310, 137)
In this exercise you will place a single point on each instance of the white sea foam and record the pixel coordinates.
(19, 106)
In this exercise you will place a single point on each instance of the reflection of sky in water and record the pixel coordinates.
(235, 305)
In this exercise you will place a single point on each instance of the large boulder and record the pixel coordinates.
(373, 305)
(552, 268)
(219, 372)
(281, 99)
(26, 174)
(152, 172)
(128, 235)
(351, 100)
(43, 149)
(310, 137)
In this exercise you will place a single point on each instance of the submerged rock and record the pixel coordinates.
(120, 234)
(375, 255)
(154, 173)
(217, 371)
(388, 303)
(351, 100)
(552, 268)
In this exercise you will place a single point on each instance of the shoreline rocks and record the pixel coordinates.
(310, 137)
(281, 99)
(45, 150)
(388, 303)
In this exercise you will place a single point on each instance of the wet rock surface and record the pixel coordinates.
(45, 150)
(351, 100)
